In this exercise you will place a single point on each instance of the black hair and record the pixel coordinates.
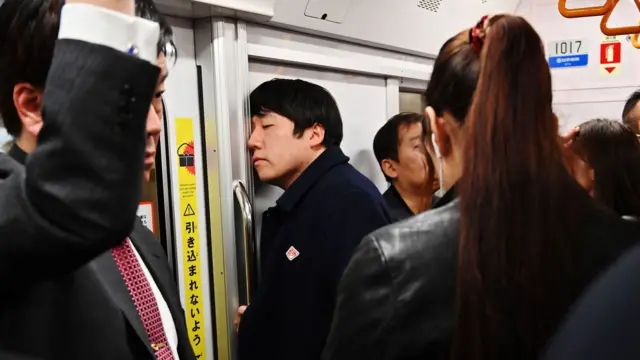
(454, 78)
(613, 151)
(302, 102)
(147, 9)
(387, 139)
(28, 33)
(627, 118)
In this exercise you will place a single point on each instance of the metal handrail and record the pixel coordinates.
(248, 238)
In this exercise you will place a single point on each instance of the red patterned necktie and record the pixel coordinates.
(143, 298)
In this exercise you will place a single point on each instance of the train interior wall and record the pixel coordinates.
(584, 93)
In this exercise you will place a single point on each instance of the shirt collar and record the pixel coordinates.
(18, 154)
(400, 199)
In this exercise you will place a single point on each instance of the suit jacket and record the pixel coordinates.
(89, 312)
(78, 194)
(75, 199)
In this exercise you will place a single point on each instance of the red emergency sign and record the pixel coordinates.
(610, 54)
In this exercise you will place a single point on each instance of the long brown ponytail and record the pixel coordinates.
(514, 250)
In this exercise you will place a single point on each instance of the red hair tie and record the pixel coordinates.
(477, 33)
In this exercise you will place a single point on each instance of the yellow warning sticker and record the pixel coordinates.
(191, 256)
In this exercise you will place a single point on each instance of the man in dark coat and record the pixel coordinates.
(309, 235)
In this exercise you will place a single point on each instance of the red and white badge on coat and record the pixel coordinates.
(292, 253)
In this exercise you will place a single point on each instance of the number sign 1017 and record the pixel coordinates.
(567, 47)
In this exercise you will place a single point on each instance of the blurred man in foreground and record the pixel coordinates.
(117, 304)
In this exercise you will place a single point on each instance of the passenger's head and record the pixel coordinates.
(631, 112)
(292, 123)
(28, 33)
(399, 147)
(449, 94)
(517, 202)
(607, 164)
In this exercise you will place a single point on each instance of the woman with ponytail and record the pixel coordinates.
(488, 275)
(396, 298)
(530, 238)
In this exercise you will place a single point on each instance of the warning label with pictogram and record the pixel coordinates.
(188, 211)
(187, 157)
(193, 269)
(610, 55)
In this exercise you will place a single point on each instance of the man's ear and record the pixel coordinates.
(28, 102)
(389, 168)
(439, 129)
(316, 134)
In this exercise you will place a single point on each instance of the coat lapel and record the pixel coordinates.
(116, 288)
(155, 259)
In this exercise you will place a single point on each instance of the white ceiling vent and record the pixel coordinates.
(431, 5)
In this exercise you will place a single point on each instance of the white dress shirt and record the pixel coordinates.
(116, 30)
(110, 28)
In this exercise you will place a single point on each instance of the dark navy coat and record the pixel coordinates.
(306, 242)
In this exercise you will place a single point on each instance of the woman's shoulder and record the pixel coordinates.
(422, 236)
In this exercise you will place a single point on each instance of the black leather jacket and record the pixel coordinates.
(396, 297)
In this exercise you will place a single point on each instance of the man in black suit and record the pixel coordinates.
(95, 311)
(36, 202)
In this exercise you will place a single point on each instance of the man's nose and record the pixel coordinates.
(154, 125)
(254, 140)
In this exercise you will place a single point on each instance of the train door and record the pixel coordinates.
(207, 199)
(175, 203)
(221, 66)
